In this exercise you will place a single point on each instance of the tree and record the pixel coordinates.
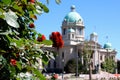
(87, 53)
(19, 50)
(56, 37)
(109, 65)
(70, 67)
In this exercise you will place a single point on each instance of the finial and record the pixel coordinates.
(73, 8)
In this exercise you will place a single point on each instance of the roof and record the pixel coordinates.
(73, 16)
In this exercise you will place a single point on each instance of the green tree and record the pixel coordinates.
(109, 65)
(20, 52)
(87, 56)
(70, 67)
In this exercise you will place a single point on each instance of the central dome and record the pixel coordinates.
(73, 16)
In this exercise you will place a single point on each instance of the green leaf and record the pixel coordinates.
(18, 9)
(1, 13)
(30, 7)
(19, 65)
(45, 59)
(6, 1)
(38, 74)
(11, 19)
(25, 1)
(45, 8)
(2, 16)
(58, 1)
(47, 42)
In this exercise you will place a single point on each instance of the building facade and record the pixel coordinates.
(73, 32)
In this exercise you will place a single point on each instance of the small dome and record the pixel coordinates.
(94, 34)
(70, 30)
(73, 16)
(107, 45)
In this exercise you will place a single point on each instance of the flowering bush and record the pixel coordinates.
(20, 52)
(54, 77)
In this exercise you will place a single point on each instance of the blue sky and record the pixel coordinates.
(100, 16)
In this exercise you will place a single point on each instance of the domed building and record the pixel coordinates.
(74, 44)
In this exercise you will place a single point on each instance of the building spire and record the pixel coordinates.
(72, 8)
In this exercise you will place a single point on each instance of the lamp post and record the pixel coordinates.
(77, 66)
(76, 62)
(63, 69)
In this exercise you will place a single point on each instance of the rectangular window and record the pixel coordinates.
(68, 36)
(73, 36)
(100, 57)
(62, 55)
(64, 31)
(80, 31)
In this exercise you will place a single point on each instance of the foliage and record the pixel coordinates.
(109, 65)
(87, 53)
(56, 37)
(20, 52)
(70, 66)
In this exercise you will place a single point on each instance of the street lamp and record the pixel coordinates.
(63, 68)
(77, 66)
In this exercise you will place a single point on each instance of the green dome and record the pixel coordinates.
(73, 16)
(70, 30)
(94, 34)
(107, 46)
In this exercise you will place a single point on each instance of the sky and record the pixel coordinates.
(100, 16)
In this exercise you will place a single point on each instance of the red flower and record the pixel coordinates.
(56, 37)
(55, 76)
(40, 39)
(13, 62)
(32, 1)
(31, 25)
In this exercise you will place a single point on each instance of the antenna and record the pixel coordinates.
(95, 28)
(107, 38)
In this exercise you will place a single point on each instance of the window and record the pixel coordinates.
(72, 35)
(62, 55)
(54, 64)
(64, 31)
(100, 57)
(68, 36)
(80, 31)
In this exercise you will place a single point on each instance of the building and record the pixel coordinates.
(73, 32)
